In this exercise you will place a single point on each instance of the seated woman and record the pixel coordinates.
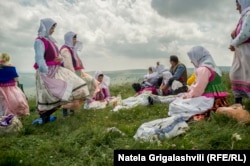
(12, 99)
(160, 68)
(102, 97)
(103, 93)
(164, 89)
(150, 79)
(206, 90)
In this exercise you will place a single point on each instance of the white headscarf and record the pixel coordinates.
(44, 28)
(153, 69)
(68, 39)
(245, 5)
(201, 57)
(106, 80)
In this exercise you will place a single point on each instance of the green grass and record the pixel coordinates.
(82, 139)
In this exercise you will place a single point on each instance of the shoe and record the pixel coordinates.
(37, 121)
(64, 112)
(238, 100)
(40, 120)
(150, 100)
(52, 118)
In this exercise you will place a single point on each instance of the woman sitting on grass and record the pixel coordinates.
(101, 97)
(102, 93)
(164, 89)
(151, 78)
(12, 99)
(207, 90)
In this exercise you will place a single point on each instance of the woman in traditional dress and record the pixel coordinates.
(207, 88)
(56, 86)
(12, 99)
(164, 89)
(103, 92)
(72, 61)
(151, 78)
(240, 70)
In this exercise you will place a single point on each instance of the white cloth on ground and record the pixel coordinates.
(160, 129)
(190, 106)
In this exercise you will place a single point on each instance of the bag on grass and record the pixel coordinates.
(10, 124)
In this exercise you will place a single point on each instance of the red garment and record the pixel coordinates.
(151, 89)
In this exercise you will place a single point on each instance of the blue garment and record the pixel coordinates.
(39, 56)
(179, 71)
(40, 121)
(7, 73)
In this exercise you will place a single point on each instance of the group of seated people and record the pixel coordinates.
(162, 81)
(159, 80)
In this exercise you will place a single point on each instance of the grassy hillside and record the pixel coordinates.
(82, 139)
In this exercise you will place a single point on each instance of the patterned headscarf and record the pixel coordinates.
(44, 28)
(201, 57)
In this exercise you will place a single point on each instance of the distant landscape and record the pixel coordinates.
(117, 77)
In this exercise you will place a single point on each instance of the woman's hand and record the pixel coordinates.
(58, 59)
(231, 48)
(233, 34)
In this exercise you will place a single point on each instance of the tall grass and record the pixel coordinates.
(83, 139)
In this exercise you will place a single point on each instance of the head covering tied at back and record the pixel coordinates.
(68, 39)
(44, 28)
(201, 57)
(245, 5)
(106, 80)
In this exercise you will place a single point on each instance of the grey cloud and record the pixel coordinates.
(32, 3)
(120, 29)
(194, 10)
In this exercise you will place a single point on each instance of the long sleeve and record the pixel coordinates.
(244, 32)
(180, 69)
(202, 78)
(67, 59)
(152, 75)
(39, 56)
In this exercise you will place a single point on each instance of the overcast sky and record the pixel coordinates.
(121, 34)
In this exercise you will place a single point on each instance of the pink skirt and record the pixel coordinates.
(13, 101)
